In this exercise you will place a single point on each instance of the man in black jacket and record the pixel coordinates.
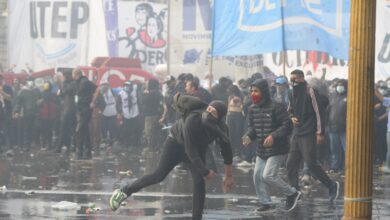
(83, 98)
(337, 125)
(68, 113)
(188, 142)
(307, 117)
(6, 95)
(269, 122)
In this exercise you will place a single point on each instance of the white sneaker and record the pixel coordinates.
(244, 163)
(386, 170)
(305, 180)
(237, 159)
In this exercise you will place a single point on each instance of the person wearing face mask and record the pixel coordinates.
(6, 95)
(269, 122)
(386, 103)
(106, 103)
(307, 116)
(337, 121)
(187, 143)
(68, 114)
(84, 90)
(47, 114)
(169, 115)
(282, 90)
(128, 109)
(382, 87)
(26, 108)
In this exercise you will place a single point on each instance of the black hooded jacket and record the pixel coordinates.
(84, 90)
(268, 118)
(194, 134)
(67, 93)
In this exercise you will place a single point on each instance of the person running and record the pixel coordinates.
(187, 142)
(269, 122)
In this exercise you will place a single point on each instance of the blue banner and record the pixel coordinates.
(249, 27)
(111, 18)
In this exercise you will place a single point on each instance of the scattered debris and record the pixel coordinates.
(65, 206)
(3, 189)
(127, 173)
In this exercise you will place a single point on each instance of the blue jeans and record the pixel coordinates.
(266, 174)
(388, 150)
(337, 150)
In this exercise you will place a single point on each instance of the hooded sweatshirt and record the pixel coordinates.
(194, 132)
(268, 118)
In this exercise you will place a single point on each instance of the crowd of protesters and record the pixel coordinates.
(304, 120)
(62, 111)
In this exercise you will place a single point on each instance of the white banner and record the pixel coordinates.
(190, 44)
(311, 62)
(143, 32)
(382, 43)
(51, 33)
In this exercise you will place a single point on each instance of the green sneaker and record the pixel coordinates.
(116, 199)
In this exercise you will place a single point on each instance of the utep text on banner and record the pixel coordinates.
(55, 33)
(249, 27)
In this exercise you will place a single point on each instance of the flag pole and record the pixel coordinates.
(169, 39)
(283, 42)
(211, 77)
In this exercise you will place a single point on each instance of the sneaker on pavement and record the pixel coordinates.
(116, 199)
(244, 163)
(334, 191)
(264, 208)
(292, 201)
(237, 159)
(305, 180)
(386, 170)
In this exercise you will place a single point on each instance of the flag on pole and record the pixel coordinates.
(249, 27)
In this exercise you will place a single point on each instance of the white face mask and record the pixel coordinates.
(340, 89)
(30, 84)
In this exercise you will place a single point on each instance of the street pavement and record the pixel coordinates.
(44, 185)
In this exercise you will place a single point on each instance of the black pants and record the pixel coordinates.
(129, 131)
(172, 154)
(235, 122)
(108, 126)
(67, 129)
(83, 139)
(28, 124)
(304, 147)
(5, 130)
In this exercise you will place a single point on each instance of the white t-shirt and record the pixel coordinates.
(110, 109)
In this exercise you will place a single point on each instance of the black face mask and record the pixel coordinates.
(207, 117)
(214, 126)
(297, 84)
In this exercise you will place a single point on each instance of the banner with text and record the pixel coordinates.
(190, 44)
(382, 44)
(249, 27)
(51, 33)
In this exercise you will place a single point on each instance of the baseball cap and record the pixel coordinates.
(281, 80)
